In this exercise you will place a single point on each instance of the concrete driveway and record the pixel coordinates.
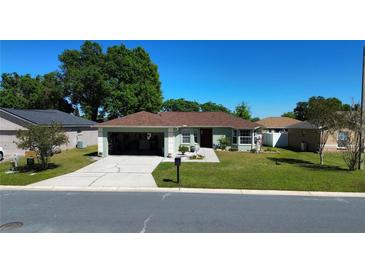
(112, 171)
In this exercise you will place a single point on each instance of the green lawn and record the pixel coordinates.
(65, 162)
(287, 170)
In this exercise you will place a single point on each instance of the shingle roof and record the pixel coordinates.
(278, 122)
(303, 125)
(180, 119)
(45, 117)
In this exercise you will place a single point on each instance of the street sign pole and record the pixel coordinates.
(362, 132)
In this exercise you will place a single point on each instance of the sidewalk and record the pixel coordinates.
(190, 190)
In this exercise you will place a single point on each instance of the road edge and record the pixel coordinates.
(189, 190)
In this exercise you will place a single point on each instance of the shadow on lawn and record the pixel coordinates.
(169, 181)
(94, 153)
(304, 163)
(36, 167)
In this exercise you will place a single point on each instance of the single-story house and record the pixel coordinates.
(277, 124)
(304, 136)
(76, 128)
(275, 130)
(162, 133)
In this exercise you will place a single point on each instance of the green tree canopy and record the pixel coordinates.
(289, 114)
(300, 111)
(40, 92)
(119, 82)
(42, 140)
(243, 111)
(325, 114)
(84, 77)
(211, 106)
(133, 82)
(180, 105)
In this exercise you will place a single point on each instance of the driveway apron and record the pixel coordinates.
(112, 171)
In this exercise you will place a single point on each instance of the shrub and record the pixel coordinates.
(223, 142)
(183, 149)
(233, 149)
(196, 157)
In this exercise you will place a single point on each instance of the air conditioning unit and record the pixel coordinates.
(80, 144)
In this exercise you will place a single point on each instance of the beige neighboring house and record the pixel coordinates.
(275, 130)
(78, 130)
(277, 124)
(304, 136)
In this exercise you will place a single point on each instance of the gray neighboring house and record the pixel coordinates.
(76, 128)
(145, 133)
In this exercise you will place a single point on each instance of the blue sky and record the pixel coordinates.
(271, 76)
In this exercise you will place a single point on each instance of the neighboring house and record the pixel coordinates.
(277, 124)
(163, 133)
(275, 130)
(76, 128)
(304, 136)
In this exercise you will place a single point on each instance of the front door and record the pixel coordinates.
(206, 137)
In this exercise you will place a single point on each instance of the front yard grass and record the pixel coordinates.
(287, 170)
(62, 163)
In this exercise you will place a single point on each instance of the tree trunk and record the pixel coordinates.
(94, 114)
(321, 158)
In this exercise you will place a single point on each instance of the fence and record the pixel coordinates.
(275, 139)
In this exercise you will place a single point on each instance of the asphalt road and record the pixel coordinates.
(53, 211)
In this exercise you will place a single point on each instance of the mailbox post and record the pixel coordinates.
(177, 164)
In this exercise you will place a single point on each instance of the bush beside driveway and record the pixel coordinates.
(287, 170)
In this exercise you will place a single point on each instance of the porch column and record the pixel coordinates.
(170, 142)
(252, 139)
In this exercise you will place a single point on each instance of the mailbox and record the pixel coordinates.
(177, 164)
(177, 161)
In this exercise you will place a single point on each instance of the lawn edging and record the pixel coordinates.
(189, 190)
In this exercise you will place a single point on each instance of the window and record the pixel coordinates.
(234, 137)
(185, 137)
(342, 139)
(195, 136)
(245, 137)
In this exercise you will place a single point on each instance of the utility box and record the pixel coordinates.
(80, 144)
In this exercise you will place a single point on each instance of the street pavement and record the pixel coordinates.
(70, 211)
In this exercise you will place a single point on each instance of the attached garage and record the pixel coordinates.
(136, 143)
(145, 133)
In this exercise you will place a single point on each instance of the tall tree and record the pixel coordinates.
(84, 77)
(210, 106)
(133, 81)
(301, 111)
(180, 105)
(27, 92)
(243, 111)
(289, 114)
(324, 114)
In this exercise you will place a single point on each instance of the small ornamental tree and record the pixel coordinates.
(42, 140)
(352, 122)
(324, 113)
